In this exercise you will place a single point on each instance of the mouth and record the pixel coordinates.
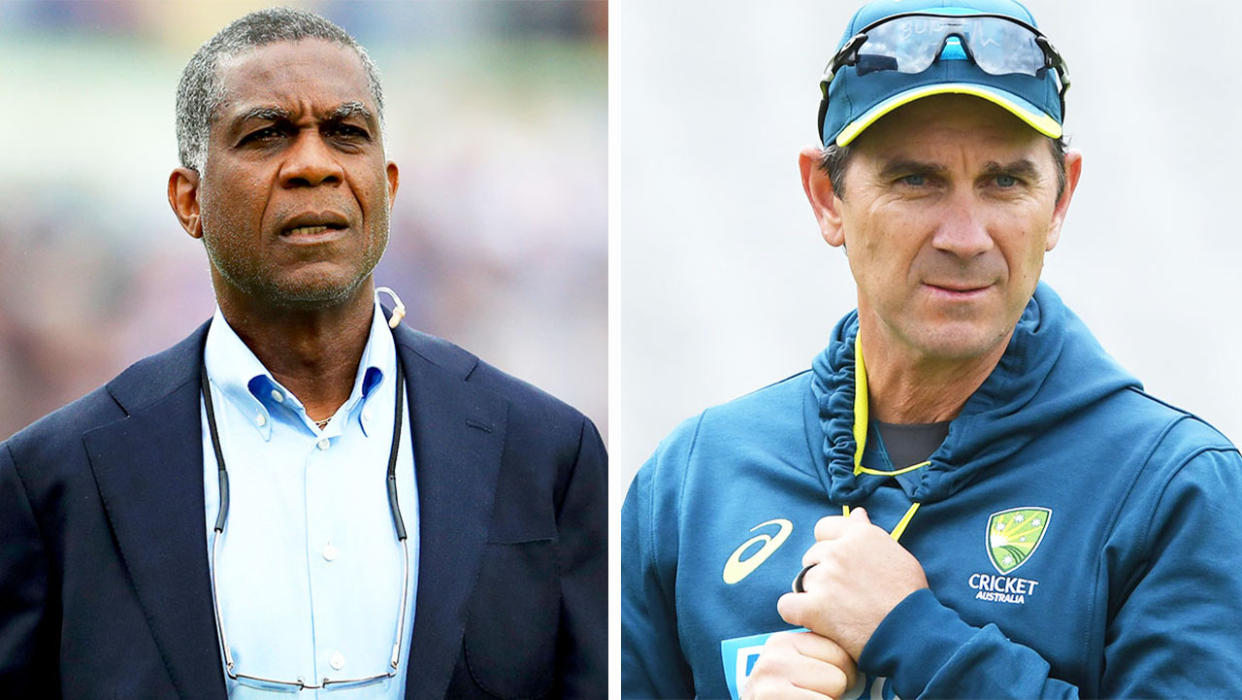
(313, 230)
(315, 227)
(956, 290)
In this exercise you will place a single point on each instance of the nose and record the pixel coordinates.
(310, 162)
(963, 230)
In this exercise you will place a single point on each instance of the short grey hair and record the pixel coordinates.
(200, 95)
(834, 160)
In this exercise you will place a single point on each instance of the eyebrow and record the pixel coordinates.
(268, 113)
(350, 109)
(271, 113)
(1023, 167)
(907, 166)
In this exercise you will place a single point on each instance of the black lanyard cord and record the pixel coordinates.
(223, 512)
(397, 422)
(398, 414)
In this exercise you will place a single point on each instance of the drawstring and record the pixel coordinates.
(860, 438)
(901, 525)
(895, 472)
(860, 444)
(860, 406)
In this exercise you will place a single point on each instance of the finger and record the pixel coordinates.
(769, 688)
(783, 672)
(818, 647)
(811, 645)
(830, 527)
(819, 677)
(792, 608)
(852, 678)
(860, 514)
(806, 660)
(817, 553)
(821, 648)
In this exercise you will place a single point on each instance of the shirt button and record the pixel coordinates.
(330, 552)
(260, 420)
(366, 414)
(338, 661)
(324, 443)
(277, 396)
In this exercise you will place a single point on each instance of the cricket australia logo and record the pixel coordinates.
(1012, 537)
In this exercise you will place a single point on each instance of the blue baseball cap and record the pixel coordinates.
(856, 97)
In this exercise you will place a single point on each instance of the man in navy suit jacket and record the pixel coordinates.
(105, 582)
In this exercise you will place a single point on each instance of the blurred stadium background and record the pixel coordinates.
(728, 286)
(496, 113)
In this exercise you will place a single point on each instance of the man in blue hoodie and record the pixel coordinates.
(966, 494)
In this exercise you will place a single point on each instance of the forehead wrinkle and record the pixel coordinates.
(284, 82)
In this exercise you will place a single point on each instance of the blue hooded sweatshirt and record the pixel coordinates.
(1079, 537)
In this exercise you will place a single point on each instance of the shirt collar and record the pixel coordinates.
(235, 371)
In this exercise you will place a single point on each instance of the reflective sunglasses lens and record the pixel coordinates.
(907, 45)
(912, 44)
(1001, 48)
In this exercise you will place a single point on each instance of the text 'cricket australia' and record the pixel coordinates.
(1002, 589)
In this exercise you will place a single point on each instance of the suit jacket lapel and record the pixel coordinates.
(459, 433)
(149, 470)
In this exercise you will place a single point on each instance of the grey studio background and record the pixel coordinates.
(496, 114)
(727, 286)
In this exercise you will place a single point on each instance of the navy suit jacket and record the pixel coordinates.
(104, 586)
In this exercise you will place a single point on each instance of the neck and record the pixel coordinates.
(910, 388)
(312, 352)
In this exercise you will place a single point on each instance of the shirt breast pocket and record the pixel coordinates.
(511, 632)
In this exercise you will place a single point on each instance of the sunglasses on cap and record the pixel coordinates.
(912, 42)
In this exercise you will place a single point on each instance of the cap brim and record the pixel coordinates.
(1019, 107)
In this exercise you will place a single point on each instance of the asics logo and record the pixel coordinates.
(737, 568)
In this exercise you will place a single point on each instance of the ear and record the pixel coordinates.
(1073, 171)
(394, 179)
(183, 198)
(825, 203)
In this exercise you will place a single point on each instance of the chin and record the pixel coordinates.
(960, 341)
(312, 292)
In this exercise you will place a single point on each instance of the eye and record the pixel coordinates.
(265, 134)
(348, 132)
(913, 180)
(1006, 181)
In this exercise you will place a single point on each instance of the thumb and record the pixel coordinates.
(860, 514)
(792, 608)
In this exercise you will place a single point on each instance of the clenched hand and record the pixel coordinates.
(800, 665)
(860, 575)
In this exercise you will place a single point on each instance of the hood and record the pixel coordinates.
(1053, 367)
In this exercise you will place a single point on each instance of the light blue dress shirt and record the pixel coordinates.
(309, 571)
